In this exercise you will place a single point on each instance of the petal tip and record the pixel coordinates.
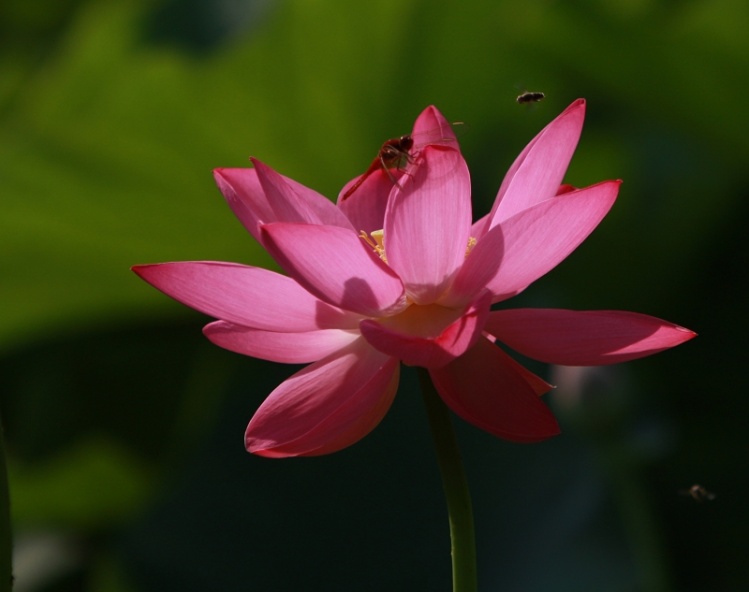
(142, 270)
(258, 164)
(260, 447)
(576, 109)
(689, 334)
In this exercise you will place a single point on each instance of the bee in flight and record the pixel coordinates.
(698, 493)
(530, 97)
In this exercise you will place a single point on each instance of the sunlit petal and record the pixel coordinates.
(260, 195)
(538, 172)
(427, 223)
(245, 295)
(537, 239)
(327, 406)
(584, 338)
(289, 348)
(337, 266)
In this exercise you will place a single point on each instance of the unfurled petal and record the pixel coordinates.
(288, 348)
(484, 388)
(584, 338)
(327, 406)
(537, 239)
(335, 265)
(427, 223)
(538, 172)
(261, 196)
(248, 296)
(408, 338)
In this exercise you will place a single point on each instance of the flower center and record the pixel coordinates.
(376, 240)
(427, 321)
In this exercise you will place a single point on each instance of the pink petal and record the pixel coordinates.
(246, 198)
(427, 223)
(584, 338)
(538, 384)
(480, 227)
(431, 127)
(335, 265)
(429, 351)
(485, 388)
(248, 296)
(326, 406)
(479, 269)
(293, 202)
(365, 208)
(288, 348)
(538, 172)
(537, 239)
(261, 195)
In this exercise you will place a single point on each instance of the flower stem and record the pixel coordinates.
(640, 523)
(6, 544)
(454, 482)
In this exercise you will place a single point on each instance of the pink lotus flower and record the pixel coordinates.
(356, 304)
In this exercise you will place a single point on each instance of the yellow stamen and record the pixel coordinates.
(471, 243)
(376, 240)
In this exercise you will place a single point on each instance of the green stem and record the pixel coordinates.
(640, 523)
(6, 543)
(456, 488)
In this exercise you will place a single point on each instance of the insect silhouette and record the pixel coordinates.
(530, 97)
(393, 154)
(396, 153)
(698, 493)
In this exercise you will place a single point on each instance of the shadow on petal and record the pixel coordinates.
(485, 388)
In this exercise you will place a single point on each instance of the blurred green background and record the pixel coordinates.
(124, 426)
